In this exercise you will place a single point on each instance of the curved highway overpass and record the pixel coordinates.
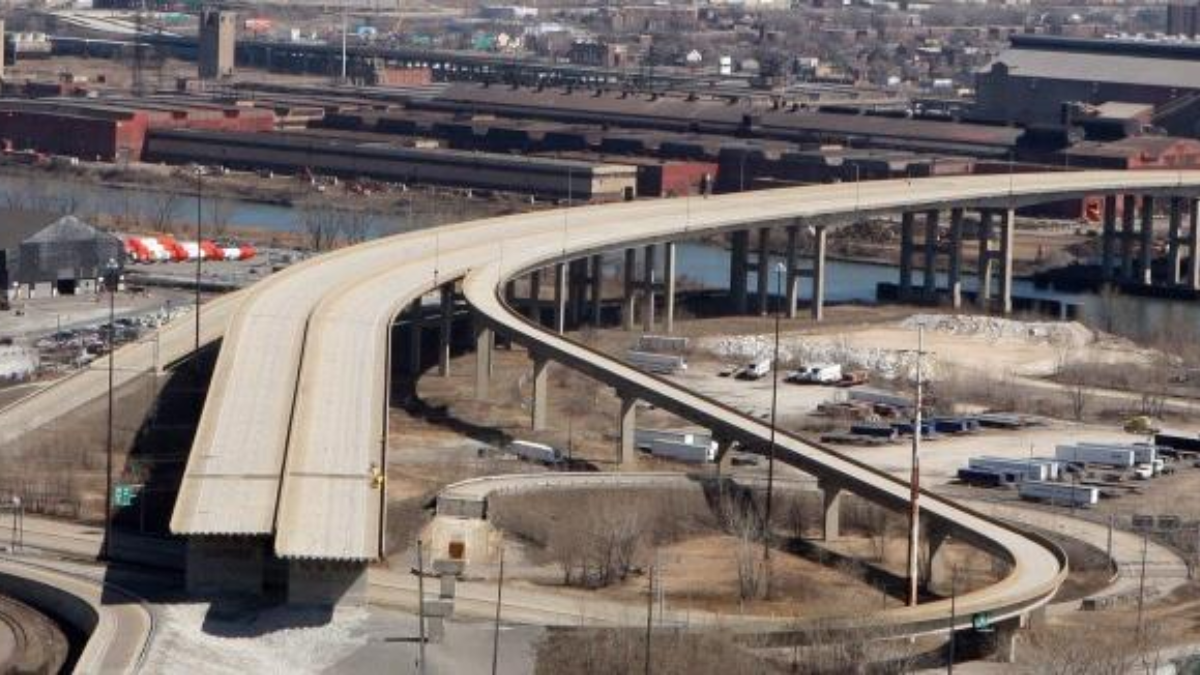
(295, 422)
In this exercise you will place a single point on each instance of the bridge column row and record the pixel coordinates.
(1137, 236)
(740, 267)
(995, 256)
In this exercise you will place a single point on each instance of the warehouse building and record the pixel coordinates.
(295, 153)
(47, 255)
(1046, 80)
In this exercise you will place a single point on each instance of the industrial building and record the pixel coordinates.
(43, 255)
(1055, 81)
(539, 176)
(218, 36)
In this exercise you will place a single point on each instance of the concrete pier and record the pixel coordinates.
(414, 338)
(906, 255)
(445, 329)
(1128, 223)
(629, 302)
(954, 274)
(739, 263)
(1108, 240)
(1008, 219)
(596, 278)
(763, 266)
(1174, 242)
(560, 297)
(540, 398)
(831, 519)
(818, 273)
(577, 285)
(929, 268)
(483, 360)
(793, 270)
(1193, 273)
(649, 261)
(628, 429)
(1146, 249)
(984, 264)
(669, 287)
(533, 305)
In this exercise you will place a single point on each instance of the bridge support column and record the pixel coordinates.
(831, 498)
(739, 263)
(577, 272)
(533, 308)
(445, 329)
(540, 398)
(560, 297)
(1193, 274)
(483, 360)
(649, 261)
(929, 274)
(935, 537)
(983, 294)
(1007, 225)
(414, 338)
(818, 273)
(793, 270)
(1146, 251)
(1004, 640)
(1108, 238)
(954, 275)
(763, 278)
(629, 302)
(1174, 242)
(1128, 223)
(225, 566)
(628, 429)
(669, 287)
(597, 281)
(906, 256)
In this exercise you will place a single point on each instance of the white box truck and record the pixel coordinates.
(756, 369)
(535, 452)
(818, 373)
(677, 445)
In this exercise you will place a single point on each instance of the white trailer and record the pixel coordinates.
(1081, 496)
(1121, 458)
(535, 452)
(1142, 453)
(756, 369)
(1028, 469)
(663, 364)
(677, 445)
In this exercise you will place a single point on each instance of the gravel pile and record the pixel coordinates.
(1068, 333)
(17, 363)
(891, 364)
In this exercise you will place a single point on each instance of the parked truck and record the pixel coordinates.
(755, 370)
(535, 452)
(1079, 496)
(680, 446)
(818, 373)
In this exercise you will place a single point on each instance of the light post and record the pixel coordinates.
(199, 259)
(914, 514)
(780, 271)
(111, 280)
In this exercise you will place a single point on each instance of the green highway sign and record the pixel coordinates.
(981, 621)
(123, 495)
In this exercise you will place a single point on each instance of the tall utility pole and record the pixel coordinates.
(111, 281)
(420, 611)
(649, 618)
(199, 258)
(953, 618)
(344, 27)
(914, 511)
(496, 629)
(780, 270)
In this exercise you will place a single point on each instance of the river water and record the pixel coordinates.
(702, 263)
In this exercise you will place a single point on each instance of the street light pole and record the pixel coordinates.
(780, 270)
(111, 281)
(914, 514)
(199, 259)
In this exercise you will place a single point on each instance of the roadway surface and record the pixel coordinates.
(297, 407)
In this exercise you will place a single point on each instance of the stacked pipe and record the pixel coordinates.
(165, 248)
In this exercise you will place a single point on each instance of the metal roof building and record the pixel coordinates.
(49, 255)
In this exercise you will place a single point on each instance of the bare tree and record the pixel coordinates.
(357, 226)
(742, 521)
(220, 213)
(160, 209)
(321, 225)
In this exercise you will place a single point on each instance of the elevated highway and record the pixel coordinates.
(296, 420)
